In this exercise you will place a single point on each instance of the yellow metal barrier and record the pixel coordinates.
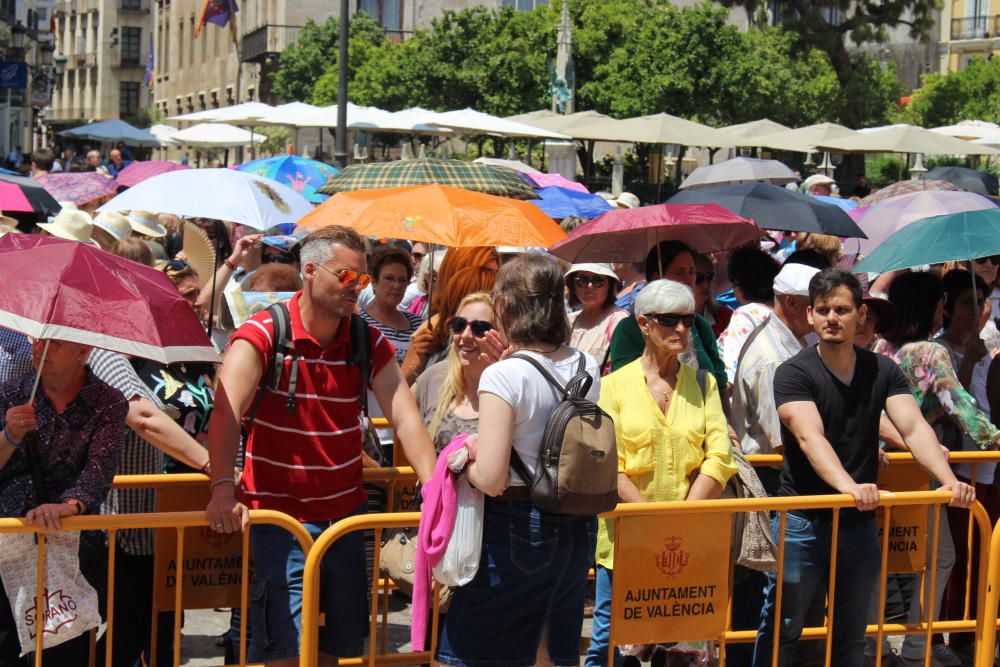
(377, 654)
(986, 633)
(175, 520)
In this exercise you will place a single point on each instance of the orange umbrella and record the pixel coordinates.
(439, 214)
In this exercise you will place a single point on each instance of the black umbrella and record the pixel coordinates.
(41, 201)
(773, 207)
(973, 180)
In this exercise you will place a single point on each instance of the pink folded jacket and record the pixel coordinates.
(437, 520)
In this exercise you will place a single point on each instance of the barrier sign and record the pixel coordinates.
(212, 564)
(676, 584)
(907, 525)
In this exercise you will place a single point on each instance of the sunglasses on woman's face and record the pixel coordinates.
(584, 281)
(479, 327)
(671, 320)
(701, 278)
(994, 260)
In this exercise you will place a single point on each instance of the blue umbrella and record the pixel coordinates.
(559, 203)
(845, 204)
(301, 174)
(112, 130)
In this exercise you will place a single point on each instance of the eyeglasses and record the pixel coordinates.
(348, 277)
(479, 327)
(417, 255)
(994, 260)
(584, 281)
(700, 278)
(672, 319)
(176, 265)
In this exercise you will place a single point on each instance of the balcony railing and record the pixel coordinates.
(975, 27)
(268, 41)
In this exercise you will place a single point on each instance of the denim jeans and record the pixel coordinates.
(600, 631)
(532, 575)
(806, 570)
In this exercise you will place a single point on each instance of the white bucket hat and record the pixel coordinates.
(146, 223)
(595, 268)
(626, 200)
(71, 225)
(114, 223)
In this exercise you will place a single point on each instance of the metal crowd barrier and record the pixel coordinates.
(172, 520)
(378, 654)
(986, 635)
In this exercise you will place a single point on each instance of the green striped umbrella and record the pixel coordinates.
(941, 238)
(474, 176)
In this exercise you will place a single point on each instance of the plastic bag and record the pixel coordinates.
(460, 562)
(72, 602)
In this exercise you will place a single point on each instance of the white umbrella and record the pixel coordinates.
(214, 135)
(247, 113)
(660, 128)
(291, 114)
(162, 132)
(740, 170)
(470, 121)
(749, 134)
(516, 165)
(969, 129)
(805, 139)
(222, 194)
(906, 139)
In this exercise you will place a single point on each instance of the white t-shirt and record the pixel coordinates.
(522, 387)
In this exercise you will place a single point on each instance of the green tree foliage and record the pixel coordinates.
(971, 94)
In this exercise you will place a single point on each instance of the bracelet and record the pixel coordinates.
(220, 482)
(8, 437)
(207, 468)
(228, 262)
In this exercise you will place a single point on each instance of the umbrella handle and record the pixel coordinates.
(38, 373)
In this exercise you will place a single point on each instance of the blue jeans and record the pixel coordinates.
(600, 631)
(276, 595)
(807, 569)
(532, 574)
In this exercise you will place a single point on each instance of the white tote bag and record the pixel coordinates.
(72, 607)
(460, 562)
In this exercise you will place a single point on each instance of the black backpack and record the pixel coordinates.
(577, 469)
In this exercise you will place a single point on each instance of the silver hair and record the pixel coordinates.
(93, 153)
(665, 296)
(317, 251)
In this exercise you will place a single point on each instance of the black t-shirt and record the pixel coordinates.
(850, 416)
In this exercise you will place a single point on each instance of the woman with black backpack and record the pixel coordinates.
(533, 561)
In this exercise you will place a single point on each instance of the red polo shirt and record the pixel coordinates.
(307, 462)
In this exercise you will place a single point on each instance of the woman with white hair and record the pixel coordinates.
(673, 441)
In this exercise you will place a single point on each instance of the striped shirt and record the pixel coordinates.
(400, 338)
(15, 355)
(138, 456)
(307, 462)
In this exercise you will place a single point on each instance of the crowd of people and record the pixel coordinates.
(809, 362)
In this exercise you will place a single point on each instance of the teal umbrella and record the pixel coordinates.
(942, 238)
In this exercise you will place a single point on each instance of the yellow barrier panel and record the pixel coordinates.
(377, 655)
(986, 631)
(174, 520)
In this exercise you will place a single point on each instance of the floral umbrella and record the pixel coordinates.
(301, 174)
(78, 187)
(137, 172)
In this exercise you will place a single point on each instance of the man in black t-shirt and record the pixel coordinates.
(830, 398)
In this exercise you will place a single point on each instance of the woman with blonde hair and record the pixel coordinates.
(448, 392)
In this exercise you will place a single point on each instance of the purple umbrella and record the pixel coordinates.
(78, 187)
(882, 220)
(137, 172)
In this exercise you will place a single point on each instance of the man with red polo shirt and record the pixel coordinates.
(303, 456)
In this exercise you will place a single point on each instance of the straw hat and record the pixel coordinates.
(198, 252)
(114, 223)
(626, 200)
(71, 225)
(595, 268)
(146, 223)
(8, 225)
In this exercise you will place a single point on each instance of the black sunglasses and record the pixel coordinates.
(584, 281)
(479, 327)
(995, 260)
(672, 319)
(700, 278)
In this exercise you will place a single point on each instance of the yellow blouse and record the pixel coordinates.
(660, 452)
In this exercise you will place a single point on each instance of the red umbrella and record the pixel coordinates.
(79, 187)
(64, 290)
(137, 172)
(626, 235)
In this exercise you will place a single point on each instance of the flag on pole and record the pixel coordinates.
(218, 12)
(147, 79)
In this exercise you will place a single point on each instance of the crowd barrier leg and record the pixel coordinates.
(986, 629)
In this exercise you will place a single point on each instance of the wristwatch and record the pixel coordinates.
(73, 502)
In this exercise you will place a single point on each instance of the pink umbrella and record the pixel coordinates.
(137, 172)
(78, 187)
(882, 220)
(75, 292)
(12, 198)
(626, 235)
(545, 180)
